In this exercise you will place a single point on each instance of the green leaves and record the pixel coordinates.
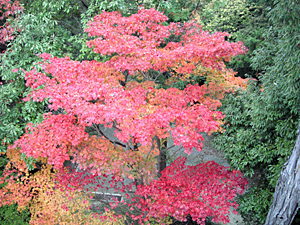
(39, 34)
(253, 205)
(263, 120)
(30, 161)
(225, 15)
(9, 215)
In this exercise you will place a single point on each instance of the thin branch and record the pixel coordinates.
(152, 147)
(115, 126)
(173, 154)
(84, 4)
(157, 76)
(96, 128)
(166, 149)
(145, 75)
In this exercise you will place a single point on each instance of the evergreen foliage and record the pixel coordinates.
(9, 215)
(262, 121)
(245, 20)
(39, 34)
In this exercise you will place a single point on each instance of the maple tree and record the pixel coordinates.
(123, 94)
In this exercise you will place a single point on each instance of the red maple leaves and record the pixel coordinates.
(200, 191)
(137, 41)
(8, 9)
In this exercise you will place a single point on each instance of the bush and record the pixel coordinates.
(9, 215)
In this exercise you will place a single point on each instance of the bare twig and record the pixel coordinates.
(166, 149)
(97, 129)
(173, 153)
(152, 147)
(157, 76)
(145, 75)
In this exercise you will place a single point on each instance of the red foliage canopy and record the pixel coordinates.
(200, 191)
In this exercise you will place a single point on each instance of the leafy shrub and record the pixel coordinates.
(9, 215)
(249, 201)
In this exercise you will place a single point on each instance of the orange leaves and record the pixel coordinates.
(48, 196)
(24, 187)
(103, 157)
(224, 78)
(134, 84)
(14, 156)
(52, 206)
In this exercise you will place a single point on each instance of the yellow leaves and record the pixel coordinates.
(107, 158)
(112, 219)
(145, 110)
(43, 160)
(145, 84)
(221, 80)
(60, 206)
(14, 156)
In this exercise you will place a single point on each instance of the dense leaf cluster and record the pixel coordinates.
(262, 121)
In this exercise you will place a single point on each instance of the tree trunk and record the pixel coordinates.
(286, 200)
(161, 160)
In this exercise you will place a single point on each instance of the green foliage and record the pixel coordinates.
(3, 162)
(248, 205)
(257, 139)
(262, 121)
(225, 15)
(178, 10)
(254, 133)
(9, 215)
(30, 161)
(39, 34)
(66, 13)
(175, 10)
(245, 20)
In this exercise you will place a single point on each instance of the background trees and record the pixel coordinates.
(263, 120)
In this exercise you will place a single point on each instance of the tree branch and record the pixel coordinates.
(97, 129)
(174, 153)
(83, 3)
